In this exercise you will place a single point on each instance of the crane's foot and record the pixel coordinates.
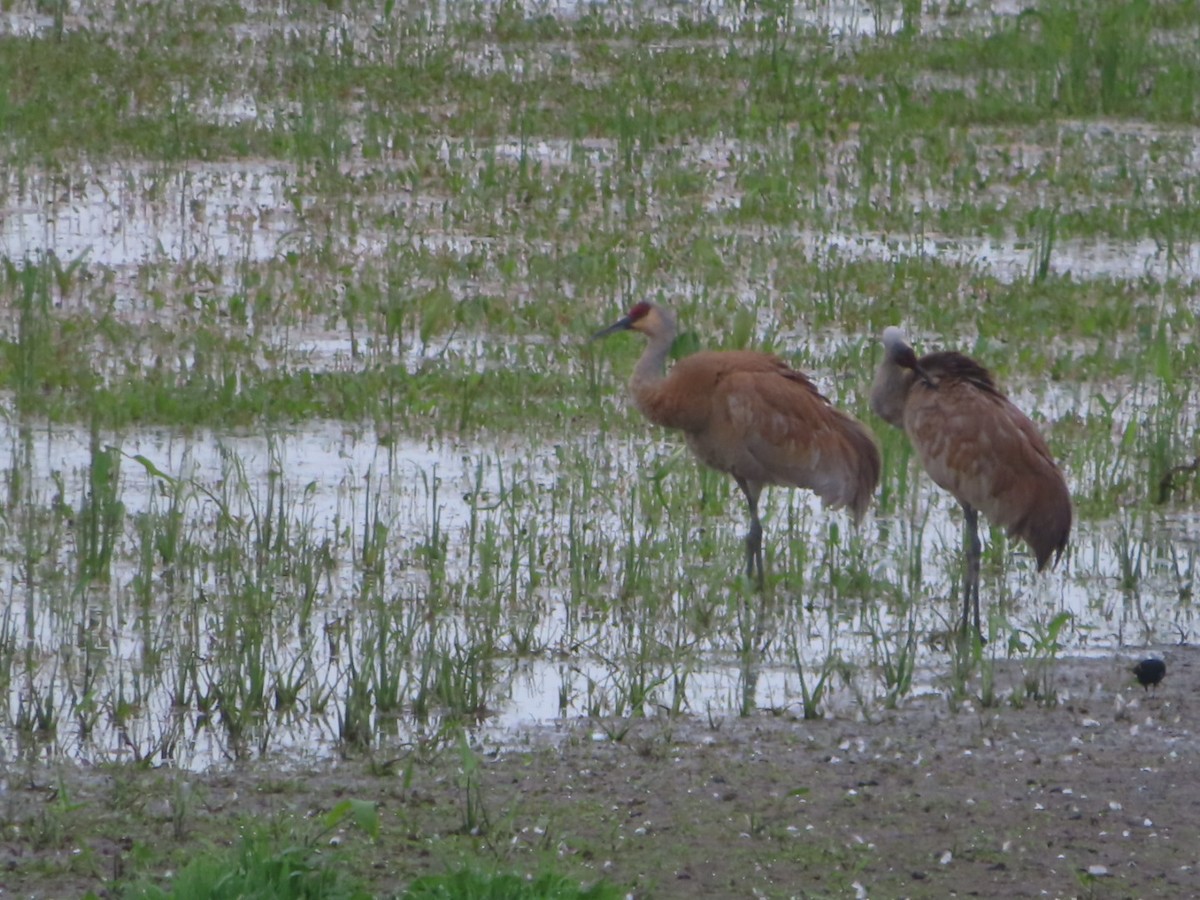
(967, 629)
(966, 634)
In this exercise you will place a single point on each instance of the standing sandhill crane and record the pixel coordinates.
(753, 416)
(975, 444)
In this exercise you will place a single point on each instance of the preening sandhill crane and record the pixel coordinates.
(755, 417)
(978, 446)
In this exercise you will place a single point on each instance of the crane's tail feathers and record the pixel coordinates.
(865, 465)
(1047, 526)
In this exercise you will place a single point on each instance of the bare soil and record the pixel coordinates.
(1094, 796)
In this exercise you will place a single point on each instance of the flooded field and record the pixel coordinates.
(306, 453)
(152, 569)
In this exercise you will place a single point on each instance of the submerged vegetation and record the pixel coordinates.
(306, 451)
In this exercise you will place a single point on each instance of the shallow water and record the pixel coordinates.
(227, 215)
(324, 477)
(126, 215)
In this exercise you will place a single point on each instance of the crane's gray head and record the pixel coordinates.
(897, 348)
(648, 318)
(898, 352)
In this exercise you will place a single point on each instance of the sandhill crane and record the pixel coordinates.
(753, 416)
(975, 444)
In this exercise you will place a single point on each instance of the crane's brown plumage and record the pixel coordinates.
(978, 446)
(753, 416)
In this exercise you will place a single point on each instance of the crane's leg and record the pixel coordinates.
(754, 557)
(973, 552)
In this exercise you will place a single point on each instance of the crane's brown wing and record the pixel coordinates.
(768, 424)
(974, 443)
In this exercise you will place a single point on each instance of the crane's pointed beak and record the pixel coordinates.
(622, 324)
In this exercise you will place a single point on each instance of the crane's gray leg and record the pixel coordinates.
(971, 578)
(754, 557)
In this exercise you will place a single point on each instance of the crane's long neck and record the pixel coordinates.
(649, 373)
(889, 392)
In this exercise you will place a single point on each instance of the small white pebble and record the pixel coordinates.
(1090, 723)
(1147, 823)
(1006, 847)
(1068, 791)
(1038, 806)
(860, 892)
(1097, 870)
(946, 857)
(1114, 805)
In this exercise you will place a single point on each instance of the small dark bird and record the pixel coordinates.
(1150, 672)
(753, 416)
(977, 445)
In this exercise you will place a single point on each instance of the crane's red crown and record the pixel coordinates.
(639, 311)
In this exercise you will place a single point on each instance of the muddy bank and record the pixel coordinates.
(1092, 796)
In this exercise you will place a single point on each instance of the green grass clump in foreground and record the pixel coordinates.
(470, 885)
(257, 869)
